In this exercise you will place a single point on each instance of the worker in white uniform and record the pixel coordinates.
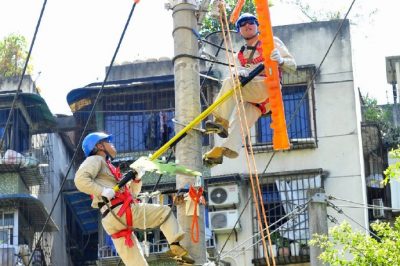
(121, 211)
(254, 93)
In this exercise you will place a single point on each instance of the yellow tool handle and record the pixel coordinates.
(205, 113)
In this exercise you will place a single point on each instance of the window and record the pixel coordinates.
(6, 228)
(273, 205)
(298, 117)
(140, 131)
(17, 136)
(285, 204)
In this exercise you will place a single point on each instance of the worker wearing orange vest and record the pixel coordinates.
(120, 211)
(255, 94)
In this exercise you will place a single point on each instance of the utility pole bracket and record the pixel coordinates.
(319, 198)
(172, 3)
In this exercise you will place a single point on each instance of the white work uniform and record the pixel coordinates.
(254, 92)
(92, 176)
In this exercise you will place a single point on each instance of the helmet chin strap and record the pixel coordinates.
(249, 38)
(108, 156)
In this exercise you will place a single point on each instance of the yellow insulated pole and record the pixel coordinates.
(205, 113)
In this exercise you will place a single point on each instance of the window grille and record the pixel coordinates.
(375, 162)
(283, 195)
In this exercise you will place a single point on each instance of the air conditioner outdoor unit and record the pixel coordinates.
(223, 195)
(378, 211)
(223, 221)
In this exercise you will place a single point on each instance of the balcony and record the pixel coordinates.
(108, 255)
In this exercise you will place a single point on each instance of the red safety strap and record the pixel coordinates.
(127, 233)
(196, 197)
(126, 197)
(261, 106)
(115, 171)
(245, 61)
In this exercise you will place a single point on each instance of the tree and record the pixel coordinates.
(212, 25)
(393, 171)
(13, 54)
(346, 247)
(382, 116)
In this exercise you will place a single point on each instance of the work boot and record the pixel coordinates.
(216, 154)
(219, 126)
(178, 252)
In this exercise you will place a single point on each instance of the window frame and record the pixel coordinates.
(297, 182)
(9, 228)
(303, 77)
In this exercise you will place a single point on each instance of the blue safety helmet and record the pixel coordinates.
(92, 139)
(245, 17)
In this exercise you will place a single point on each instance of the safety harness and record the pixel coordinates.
(124, 198)
(246, 62)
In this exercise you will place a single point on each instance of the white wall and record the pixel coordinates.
(60, 164)
(11, 84)
(339, 150)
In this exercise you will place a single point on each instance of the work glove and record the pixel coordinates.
(139, 174)
(276, 56)
(108, 193)
(243, 72)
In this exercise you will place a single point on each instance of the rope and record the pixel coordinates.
(292, 217)
(245, 132)
(309, 85)
(195, 195)
(296, 211)
(85, 127)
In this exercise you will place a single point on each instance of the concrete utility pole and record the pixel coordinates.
(395, 109)
(393, 78)
(317, 221)
(187, 107)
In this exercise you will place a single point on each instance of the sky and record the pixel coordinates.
(77, 39)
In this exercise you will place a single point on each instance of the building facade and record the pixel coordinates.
(26, 174)
(327, 150)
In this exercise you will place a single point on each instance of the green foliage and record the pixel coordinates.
(372, 112)
(212, 25)
(13, 54)
(346, 247)
(393, 171)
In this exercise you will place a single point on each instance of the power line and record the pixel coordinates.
(340, 211)
(87, 123)
(299, 209)
(14, 102)
(362, 205)
(315, 74)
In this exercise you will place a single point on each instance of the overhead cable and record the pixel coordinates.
(86, 125)
(14, 102)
